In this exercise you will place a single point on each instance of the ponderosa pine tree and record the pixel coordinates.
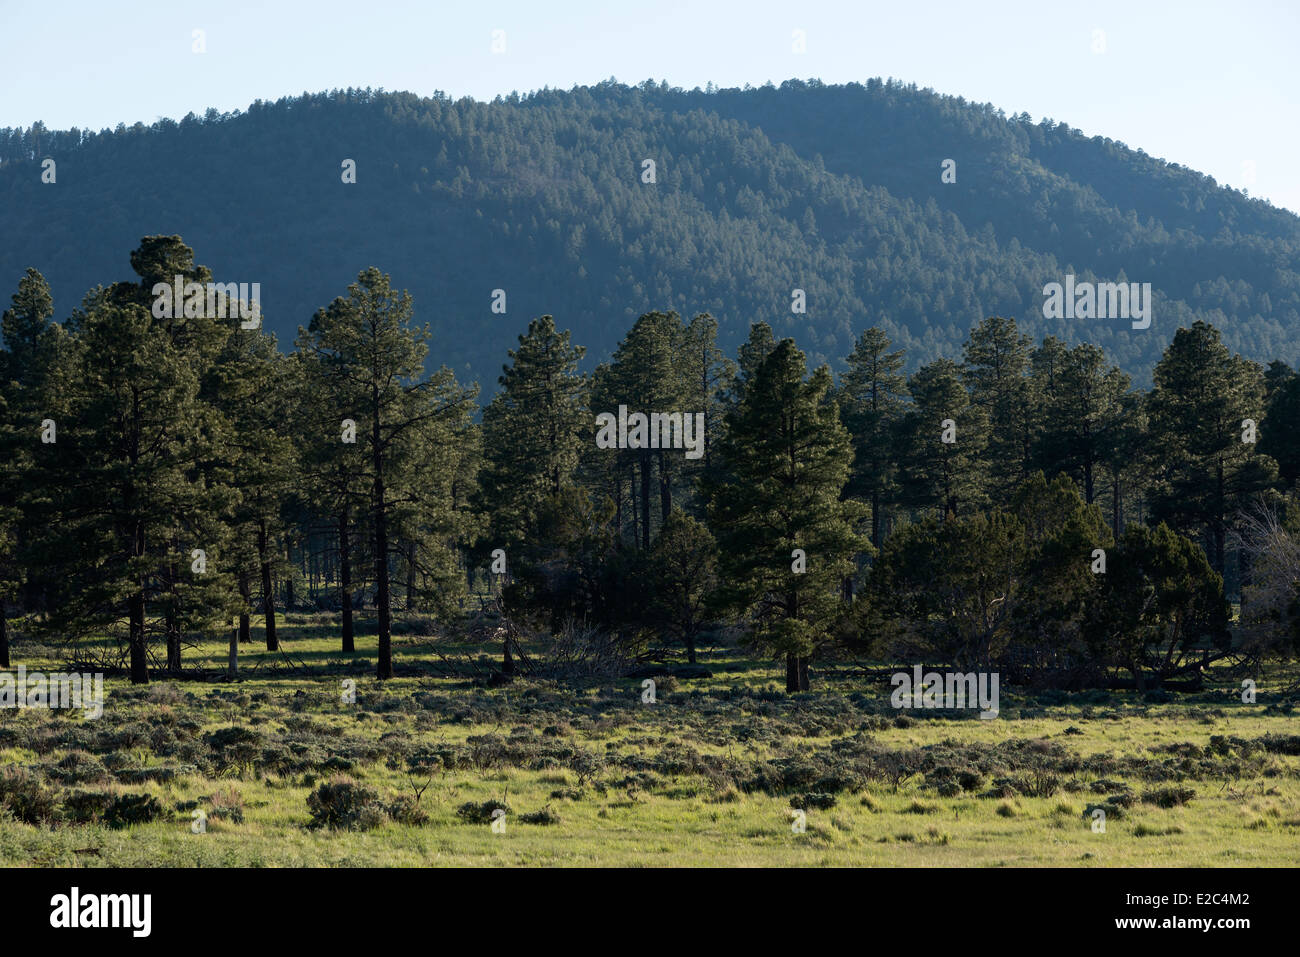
(643, 376)
(935, 473)
(994, 367)
(1281, 425)
(534, 431)
(371, 360)
(684, 564)
(11, 472)
(25, 354)
(432, 520)
(199, 328)
(752, 352)
(332, 482)
(1082, 417)
(131, 491)
(707, 375)
(116, 477)
(871, 396)
(786, 538)
(1211, 465)
(255, 399)
(1056, 577)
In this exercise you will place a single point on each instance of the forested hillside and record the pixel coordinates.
(757, 193)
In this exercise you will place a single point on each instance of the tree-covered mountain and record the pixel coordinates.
(833, 190)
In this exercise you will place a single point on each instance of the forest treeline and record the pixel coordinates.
(165, 472)
(835, 190)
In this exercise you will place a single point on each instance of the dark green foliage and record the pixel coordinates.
(1168, 797)
(25, 796)
(87, 807)
(684, 566)
(544, 817)
(540, 194)
(343, 804)
(476, 813)
(813, 800)
(1159, 605)
(1202, 408)
(942, 440)
(131, 809)
(786, 540)
(871, 397)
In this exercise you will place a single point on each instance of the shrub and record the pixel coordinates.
(813, 800)
(544, 817)
(234, 747)
(481, 813)
(1169, 797)
(130, 809)
(79, 767)
(23, 794)
(1003, 787)
(343, 804)
(1281, 743)
(406, 810)
(87, 807)
(1113, 812)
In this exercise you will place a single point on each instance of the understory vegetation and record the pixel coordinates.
(279, 769)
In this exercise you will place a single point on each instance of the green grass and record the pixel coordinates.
(680, 782)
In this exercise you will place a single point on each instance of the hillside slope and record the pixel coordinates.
(831, 189)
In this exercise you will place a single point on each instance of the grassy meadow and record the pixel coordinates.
(712, 773)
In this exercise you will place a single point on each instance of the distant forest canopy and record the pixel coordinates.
(834, 190)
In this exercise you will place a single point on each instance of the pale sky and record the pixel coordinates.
(1210, 86)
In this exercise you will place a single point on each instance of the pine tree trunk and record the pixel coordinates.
(173, 640)
(382, 597)
(4, 636)
(245, 627)
(1115, 509)
(618, 506)
(345, 583)
(232, 665)
(1219, 542)
(803, 673)
(791, 673)
(665, 491)
(645, 500)
(135, 613)
(410, 577)
(173, 625)
(288, 579)
(636, 507)
(690, 648)
(268, 592)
